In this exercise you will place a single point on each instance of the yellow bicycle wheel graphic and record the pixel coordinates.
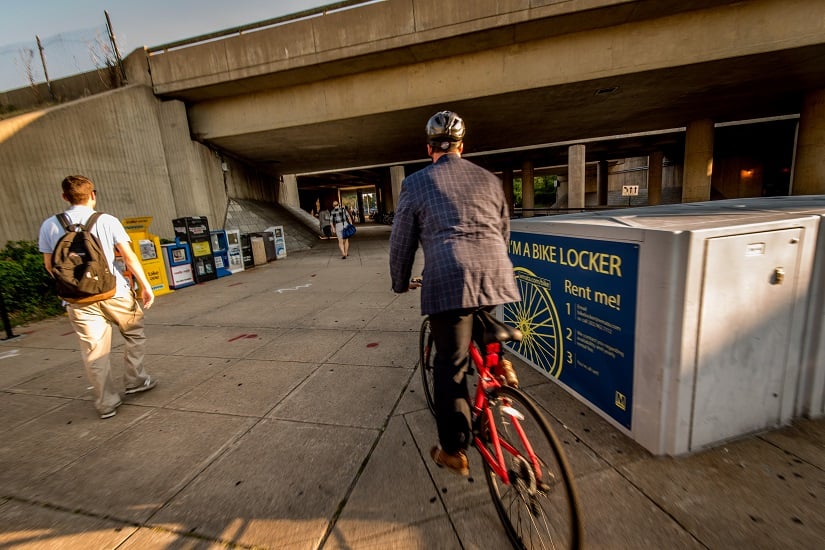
(537, 319)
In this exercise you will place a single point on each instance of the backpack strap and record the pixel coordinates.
(65, 221)
(67, 224)
(91, 221)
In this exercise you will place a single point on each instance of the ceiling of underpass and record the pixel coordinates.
(643, 105)
(616, 117)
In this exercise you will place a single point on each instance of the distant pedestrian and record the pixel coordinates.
(353, 215)
(93, 322)
(325, 223)
(340, 219)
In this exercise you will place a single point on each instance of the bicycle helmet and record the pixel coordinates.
(443, 129)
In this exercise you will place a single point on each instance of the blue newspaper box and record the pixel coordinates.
(177, 259)
(220, 252)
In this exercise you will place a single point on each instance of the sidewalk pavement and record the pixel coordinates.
(289, 414)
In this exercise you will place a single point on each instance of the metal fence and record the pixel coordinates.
(63, 54)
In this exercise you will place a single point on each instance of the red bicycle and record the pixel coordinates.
(526, 470)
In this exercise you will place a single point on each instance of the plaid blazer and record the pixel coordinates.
(459, 214)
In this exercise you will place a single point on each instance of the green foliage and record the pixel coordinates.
(544, 191)
(28, 290)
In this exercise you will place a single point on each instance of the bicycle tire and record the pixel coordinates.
(535, 513)
(426, 353)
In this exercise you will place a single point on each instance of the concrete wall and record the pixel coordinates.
(64, 89)
(138, 151)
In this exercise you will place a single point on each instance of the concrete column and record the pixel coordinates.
(809, 164)
(575, 176)
(655, 164)
(507, 182)
(601, 183)
(561, 193)
(288, 191)
(396, 177)
(698, 161)
(528, 194)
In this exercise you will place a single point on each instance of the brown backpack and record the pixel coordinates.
(79, 266)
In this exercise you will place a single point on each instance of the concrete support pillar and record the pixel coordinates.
(288, 191)
(396, 177)
(575, 176)
(528, 194)
(601, 183)
(655, 165)
(698, 161)
(809, 164)
(561, 193)
(507, 183)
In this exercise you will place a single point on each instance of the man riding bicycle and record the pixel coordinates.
(459, 214)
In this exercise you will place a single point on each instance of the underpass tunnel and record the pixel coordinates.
(726, 160)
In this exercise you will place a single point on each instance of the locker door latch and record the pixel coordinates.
(778, 275)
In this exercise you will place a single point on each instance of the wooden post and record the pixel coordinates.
(45, 71)
(115, 49)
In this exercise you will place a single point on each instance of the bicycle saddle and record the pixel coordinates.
(487, 329)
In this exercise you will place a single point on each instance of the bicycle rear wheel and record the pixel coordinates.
(426, 352)
(539, 507)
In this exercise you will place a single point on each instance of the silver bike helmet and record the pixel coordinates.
(443, 129)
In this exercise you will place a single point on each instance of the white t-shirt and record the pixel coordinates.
(107, 229)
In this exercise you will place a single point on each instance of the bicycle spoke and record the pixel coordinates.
(537, 319)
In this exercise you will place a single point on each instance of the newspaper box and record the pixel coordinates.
(147, 248)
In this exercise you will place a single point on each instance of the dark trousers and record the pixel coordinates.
(452, 331)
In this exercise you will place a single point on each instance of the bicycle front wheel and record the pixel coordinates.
(539, 506)
(426, 353)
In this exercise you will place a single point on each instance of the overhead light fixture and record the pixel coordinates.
(603, 91)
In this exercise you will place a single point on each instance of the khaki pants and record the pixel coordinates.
(92, 325)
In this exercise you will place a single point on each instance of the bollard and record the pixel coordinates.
(4, 314)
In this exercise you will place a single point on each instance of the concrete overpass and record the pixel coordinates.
(543, 84)
(353, 88)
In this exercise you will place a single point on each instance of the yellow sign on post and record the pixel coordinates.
(147, 248)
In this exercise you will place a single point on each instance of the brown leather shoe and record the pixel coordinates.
(509, 373)
(457, 463)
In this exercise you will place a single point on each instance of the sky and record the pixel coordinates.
(67, 28)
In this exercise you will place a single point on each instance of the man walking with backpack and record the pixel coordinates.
(92, 315)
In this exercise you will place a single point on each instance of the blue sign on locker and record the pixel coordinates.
(578, 314)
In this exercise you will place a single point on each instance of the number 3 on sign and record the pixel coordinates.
(630, 190)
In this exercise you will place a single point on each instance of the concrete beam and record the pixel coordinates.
(682, 39)
(576, 171)
(396, 179)
(528, 195)
(288, 191)
(809, 166)
(698, 161)
(655, 168)
(507, 184)
(602, 187)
